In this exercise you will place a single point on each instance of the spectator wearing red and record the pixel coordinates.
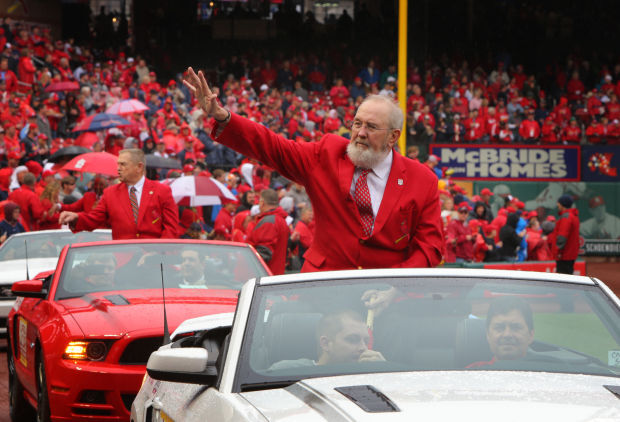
(572, 133)
(613, 108)
(566, 235)
(89, 200)
(474, 127)
(562, 113)
(458, 236)
(29, 203)
(491, 124)
(339, 94)
(25, 71)
(549, 131)
(594, 105)
(613, 132)
(529, 130)
(50, 203)
(7, 75)
(505, 134)
(224, 220)
(270, 235)
(537, 245)
(575, 88)
(415, 99)
(304, 231)
(595, 132)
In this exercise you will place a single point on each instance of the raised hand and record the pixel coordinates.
(207, 100)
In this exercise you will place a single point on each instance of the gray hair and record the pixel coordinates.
(395, 117)
(137, 155)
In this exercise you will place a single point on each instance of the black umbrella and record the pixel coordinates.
(155, 161)
(68, 152)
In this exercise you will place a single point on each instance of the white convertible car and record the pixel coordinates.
(396, 345)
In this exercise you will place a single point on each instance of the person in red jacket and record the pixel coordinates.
(49, 202)
(223, 223)
(90, 198)
(135, 208)
(575, 88)
(549, 132)
(595, 132)
(572, 133)
(271, 233)
(566, 232)
(459, 236)
(529, 130)
(25, 71)
(304, 231)
(7, 75)
(474, 127)
(29, 203)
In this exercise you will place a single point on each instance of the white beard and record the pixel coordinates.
(364, 158)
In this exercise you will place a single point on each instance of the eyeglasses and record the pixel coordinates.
(463, 212)
(370, 127)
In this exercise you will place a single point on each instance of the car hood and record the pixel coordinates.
(478, 396)
(15, 269)
(117, 313)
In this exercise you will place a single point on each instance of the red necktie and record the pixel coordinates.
(362, 200)
(134, 203)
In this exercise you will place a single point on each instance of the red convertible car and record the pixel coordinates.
(80, 336)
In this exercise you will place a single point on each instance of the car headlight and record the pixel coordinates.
(85, 350)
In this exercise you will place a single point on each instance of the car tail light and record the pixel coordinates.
(85, 350)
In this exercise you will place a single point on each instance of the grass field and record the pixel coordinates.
(579, 331)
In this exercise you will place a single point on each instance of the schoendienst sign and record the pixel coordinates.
(506, 162)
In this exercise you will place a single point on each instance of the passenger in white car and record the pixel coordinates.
(342, 337)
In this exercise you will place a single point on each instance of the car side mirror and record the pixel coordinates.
(29, 288)
(184, 364)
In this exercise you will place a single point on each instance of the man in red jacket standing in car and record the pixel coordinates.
(135, 208)
(566, 235)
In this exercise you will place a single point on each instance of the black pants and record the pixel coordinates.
(564, 267)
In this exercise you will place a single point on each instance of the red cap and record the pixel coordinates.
(486, 191)
(225, 200)
(187, 168)
(14, 155)
(48, 173)
(205, 173)
(596, 201)
(34, 167)
(463, 206)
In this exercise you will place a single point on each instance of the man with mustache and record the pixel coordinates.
(510, 330)
(373, 208)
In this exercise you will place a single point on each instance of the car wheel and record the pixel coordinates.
(19, 408)
(43, 404)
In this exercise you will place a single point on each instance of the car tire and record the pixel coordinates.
(19, 408)
(43, 404)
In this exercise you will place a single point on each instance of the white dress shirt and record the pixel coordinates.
(139, 187)
(377, 179)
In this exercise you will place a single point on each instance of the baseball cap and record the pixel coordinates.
(463, 206)
(486, 191)
(433, 158)
(596, 201)
(188, 168)
(566, 201)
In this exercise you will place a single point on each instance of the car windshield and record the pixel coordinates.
(46, 244)
(323, 328)
(139, 266)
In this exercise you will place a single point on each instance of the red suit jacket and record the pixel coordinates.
(272, 232)
(158, 215)
(30, 206)
(407, 230)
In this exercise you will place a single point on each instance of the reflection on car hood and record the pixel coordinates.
(15, 269)
(116, 313)
(464, 396)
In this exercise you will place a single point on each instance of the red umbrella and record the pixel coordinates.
(94, 162)
(86, 139)
(127, 107)
(62, 86)
(198, 190)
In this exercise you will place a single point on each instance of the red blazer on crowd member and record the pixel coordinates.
(157, 216)
(537, 246)
(306, 233)
(86, 203)
(224, 223)
(613, 110)
(474, 129)
(567, 230)
(562, 112)
(407, 231)
(30, 206)
(272, 232)
(575, 89)
(26, 70)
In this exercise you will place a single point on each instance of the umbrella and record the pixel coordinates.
(127, 107)
(62, 86)
(156, 161)
(67, 152)
(94, 162)
(100, 121)
(198, 190)
(87, 139)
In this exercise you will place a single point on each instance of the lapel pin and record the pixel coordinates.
(150, 192)
(400, 182)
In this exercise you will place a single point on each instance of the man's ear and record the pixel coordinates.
(393, 139)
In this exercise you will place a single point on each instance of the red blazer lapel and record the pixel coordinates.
(393, 191)
(345, 177)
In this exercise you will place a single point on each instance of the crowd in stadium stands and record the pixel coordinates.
(301, 97)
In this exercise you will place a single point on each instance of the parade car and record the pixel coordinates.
(26, 254)
(80, 336)
(397, 344)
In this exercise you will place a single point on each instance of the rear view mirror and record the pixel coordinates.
(29, 288)
(184, 364)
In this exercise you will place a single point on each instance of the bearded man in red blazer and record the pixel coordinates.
(156, 215)
(405, 226)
